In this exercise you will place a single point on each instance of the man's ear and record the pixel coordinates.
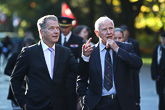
(97, 33)
(41, 32)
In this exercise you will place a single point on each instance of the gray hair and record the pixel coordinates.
(41, 23)
(120, 30)
(101, 20)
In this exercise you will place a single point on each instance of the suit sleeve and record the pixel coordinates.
(80, 48)
(154, 64)
(82, 80)
(17, 77)
(136, 84)
(74, 66)
(10, 64)
(136, 48)
(127, 55)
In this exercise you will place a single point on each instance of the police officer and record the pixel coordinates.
(74, 42)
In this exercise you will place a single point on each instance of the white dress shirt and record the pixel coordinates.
(47, 55)
(102, 59)
(63, 37)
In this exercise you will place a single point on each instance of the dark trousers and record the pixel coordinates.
(107, 103)
(161, 102)
(49, 107)
(71, 99)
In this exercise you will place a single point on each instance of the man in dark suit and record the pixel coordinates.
(46, 66)
(108, 67)
(130, 40)
(74, 42)
(120, 37)
(158, 70)
(135, 81)
(27, 41)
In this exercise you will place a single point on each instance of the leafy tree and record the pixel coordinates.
(136, 14)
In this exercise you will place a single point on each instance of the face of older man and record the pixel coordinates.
(106, 31)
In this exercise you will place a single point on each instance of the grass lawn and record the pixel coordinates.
(147, 61)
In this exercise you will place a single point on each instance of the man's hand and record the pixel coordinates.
(138, 106)
(158, 77)
(24, 107)
(87, 49)
(111, 43)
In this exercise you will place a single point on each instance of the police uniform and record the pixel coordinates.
(74, 42)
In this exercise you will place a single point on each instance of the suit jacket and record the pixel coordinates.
(135, 46)
(8, 70)
(123, 61)
(75, 44)
(42, 90)
(135, 75)
(157, 70)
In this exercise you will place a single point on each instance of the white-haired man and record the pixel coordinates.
(106, 83)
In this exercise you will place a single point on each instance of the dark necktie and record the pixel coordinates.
(108, 71)
(65, 41)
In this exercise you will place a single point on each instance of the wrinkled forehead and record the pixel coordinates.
(106, 24)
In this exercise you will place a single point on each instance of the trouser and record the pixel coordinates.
(161, 102)
(71, 99)
(108, 103)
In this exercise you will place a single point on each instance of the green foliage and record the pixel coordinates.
(147, 61)
(145, 39)
(87, 11)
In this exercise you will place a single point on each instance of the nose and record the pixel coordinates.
(108, 31)
(56, 30)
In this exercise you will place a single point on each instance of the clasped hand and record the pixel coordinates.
(111, 43)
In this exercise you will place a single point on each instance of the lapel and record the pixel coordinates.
(96, 57)
(71, 39)
(41, 54)
(57, 55)
(115, 59)
(114, 62)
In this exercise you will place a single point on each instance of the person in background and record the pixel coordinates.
(27, 41)
(107, 66)
(158, 70)
(46, 66)
(6, 51)
(119, 36)
(74, 42)
(1, 45)
(83, 31)
(15, 42)
(130, 40)
(135, 71)
(7, 46)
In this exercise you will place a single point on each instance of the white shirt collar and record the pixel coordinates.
(67, 37)
(45, 47)
(102, 46)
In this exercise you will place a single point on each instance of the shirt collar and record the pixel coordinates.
(67, 37)
(45, 47)
(102, 46)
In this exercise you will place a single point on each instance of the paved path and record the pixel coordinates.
(149, 98)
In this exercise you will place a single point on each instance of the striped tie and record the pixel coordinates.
(52, 60)
(108, 71)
